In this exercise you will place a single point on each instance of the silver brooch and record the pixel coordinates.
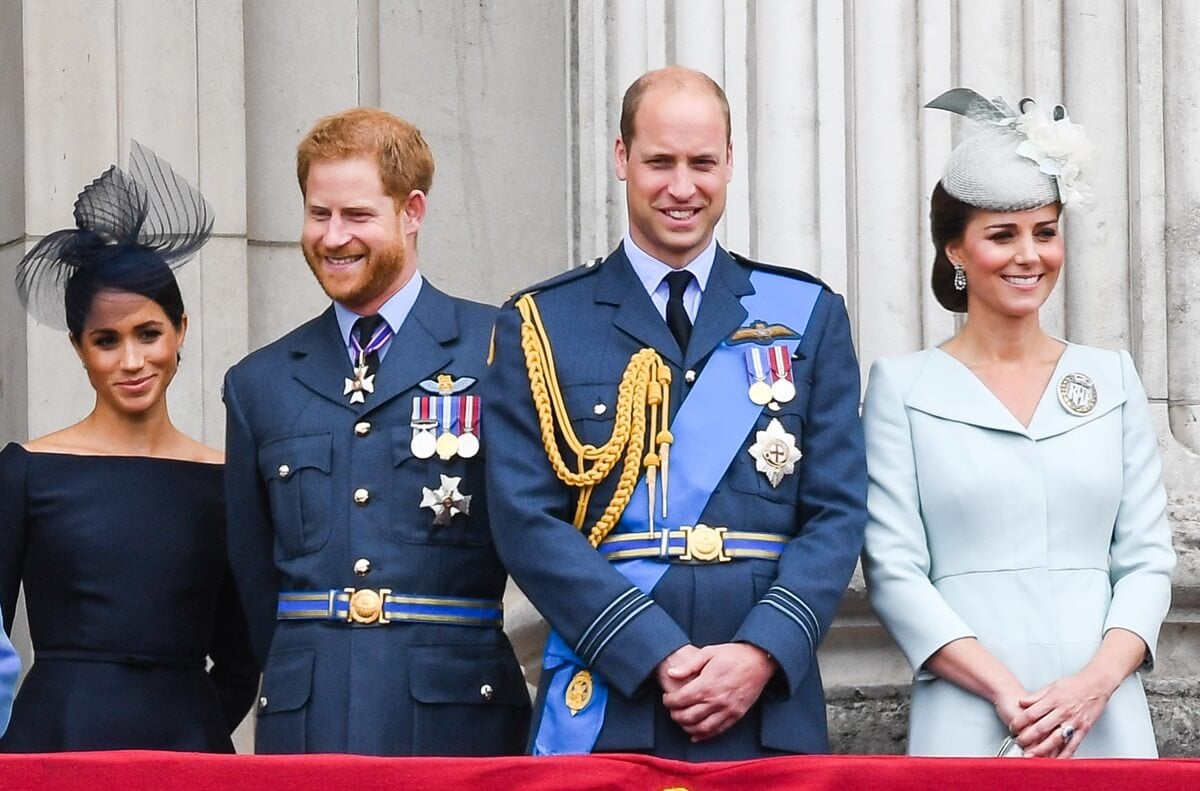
(1077, 394)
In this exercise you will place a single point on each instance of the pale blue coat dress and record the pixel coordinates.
(1034, 540)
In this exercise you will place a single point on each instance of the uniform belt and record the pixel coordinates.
(381, 606)
(694, 544)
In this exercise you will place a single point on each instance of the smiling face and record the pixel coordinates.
(358, 241)
(1011, 260)
(130, 351)
(676, 170)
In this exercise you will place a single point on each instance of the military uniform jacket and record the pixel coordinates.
(297, 453)
(596, 318)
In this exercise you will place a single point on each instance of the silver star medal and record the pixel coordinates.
(446, 501)
(775, 452)
(360, 385)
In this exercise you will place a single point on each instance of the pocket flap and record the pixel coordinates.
(287, 682)
(466, 674)
(295, 453)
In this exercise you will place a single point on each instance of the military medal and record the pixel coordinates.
(1077, 394)
(424, 443)
(361, 384)
(447, 441)
(446, 501)
(579, 692)
(364, 381)
(775, 452)
(760, 391)
(782, 388)
(468, 441)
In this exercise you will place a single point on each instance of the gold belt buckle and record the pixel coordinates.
(366, 605)
(704, 544)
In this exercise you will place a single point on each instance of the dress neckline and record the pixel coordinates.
(123, 456)
(1046, 390)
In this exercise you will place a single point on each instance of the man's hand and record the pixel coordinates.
(716, 686)
(682, 657)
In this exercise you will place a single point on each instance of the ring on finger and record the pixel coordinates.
(1067, 731)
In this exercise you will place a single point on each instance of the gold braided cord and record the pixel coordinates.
(641, 384)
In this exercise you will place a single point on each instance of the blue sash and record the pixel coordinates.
(710, 427)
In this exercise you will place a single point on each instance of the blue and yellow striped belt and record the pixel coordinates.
(381, 606)
(694, 544)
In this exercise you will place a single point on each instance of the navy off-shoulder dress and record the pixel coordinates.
(128, 595)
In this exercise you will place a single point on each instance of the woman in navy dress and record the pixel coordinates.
(115, 525)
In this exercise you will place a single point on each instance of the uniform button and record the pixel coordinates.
(362, 567)
(284, 471)
(362, 429)
(486, 692)
(361, 496)
(689, 376)
(262, 702)
(599, 409)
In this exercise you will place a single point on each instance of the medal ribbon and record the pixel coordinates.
(754, 365)
(781, 363)
(709, 429)
(382, 334)
(469, 407)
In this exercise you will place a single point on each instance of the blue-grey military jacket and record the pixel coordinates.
(324, 494)
(597, 318)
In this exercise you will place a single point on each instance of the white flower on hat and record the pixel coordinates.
(1059, 147)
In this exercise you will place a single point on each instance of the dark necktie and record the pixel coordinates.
(677, 317)
(364, 331)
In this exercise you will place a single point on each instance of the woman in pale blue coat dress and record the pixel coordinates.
(1018, 548)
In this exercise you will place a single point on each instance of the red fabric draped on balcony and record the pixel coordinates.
(123, 771)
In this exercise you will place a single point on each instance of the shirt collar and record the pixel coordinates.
(651, 271)
(394, 311)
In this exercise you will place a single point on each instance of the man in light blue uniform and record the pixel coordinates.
(687, 627)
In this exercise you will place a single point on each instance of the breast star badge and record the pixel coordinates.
(775, 452)
(446, 501)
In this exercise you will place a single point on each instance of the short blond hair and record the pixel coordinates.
(679, 78)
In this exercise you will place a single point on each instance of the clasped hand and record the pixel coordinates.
(707, 690)
(1073, 701)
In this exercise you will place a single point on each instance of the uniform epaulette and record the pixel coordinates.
(800, 274)
(571, 275)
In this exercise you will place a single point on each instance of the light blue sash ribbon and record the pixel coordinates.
(709, 429)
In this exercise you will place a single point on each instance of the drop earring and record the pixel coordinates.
(960, 278)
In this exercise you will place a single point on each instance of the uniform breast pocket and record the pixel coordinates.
(438, 501)
(775, 468)
(591, 408)
(297, 474)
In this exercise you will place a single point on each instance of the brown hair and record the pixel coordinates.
(404, 159)
(948, 218)
(679, 77)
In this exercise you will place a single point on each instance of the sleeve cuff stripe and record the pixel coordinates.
(587, 633)
(812, 616)
(645, 605)
(798, 614)
(802, 624)
(604, 622)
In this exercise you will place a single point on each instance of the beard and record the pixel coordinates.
(380, 269)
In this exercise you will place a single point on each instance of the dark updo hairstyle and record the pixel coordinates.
(948, 218)
(132, 269)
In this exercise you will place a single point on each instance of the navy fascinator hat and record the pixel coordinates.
(132, 229)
